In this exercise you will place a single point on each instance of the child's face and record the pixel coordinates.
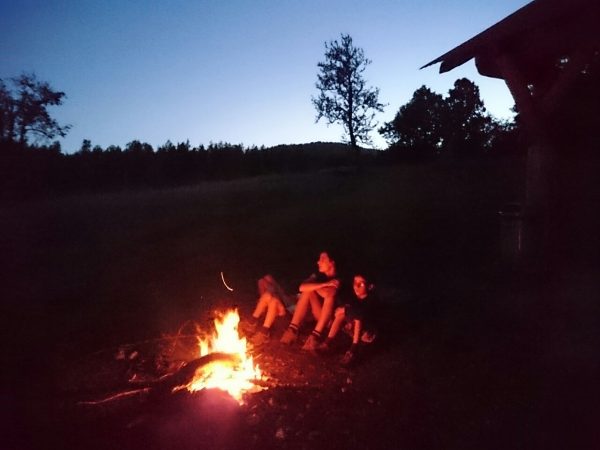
(361, 289)
(324, 263)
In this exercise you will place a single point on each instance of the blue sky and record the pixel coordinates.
(233, 71)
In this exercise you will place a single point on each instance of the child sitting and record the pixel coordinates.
(358, 314)
(319, 293)
(271, 303)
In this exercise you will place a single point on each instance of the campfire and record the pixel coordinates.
(231, 368)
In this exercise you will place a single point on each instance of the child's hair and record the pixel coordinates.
(335, 254)
(365, 273)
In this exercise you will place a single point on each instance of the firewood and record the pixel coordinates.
(185, 375)
(171, 382)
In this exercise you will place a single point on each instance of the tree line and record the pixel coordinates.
(429, 125)
(44, 170)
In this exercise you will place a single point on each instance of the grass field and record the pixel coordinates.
(103, 260)
(93, 271)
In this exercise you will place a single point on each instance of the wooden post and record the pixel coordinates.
(541, 162)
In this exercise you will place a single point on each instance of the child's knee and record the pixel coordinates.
(271, 299)
(340, 312)
(306, 297)
(281, 311)
(265, 299)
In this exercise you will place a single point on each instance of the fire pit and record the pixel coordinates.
(231, 368)
(200, 386)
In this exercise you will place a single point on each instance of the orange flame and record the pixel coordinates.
(234, 375)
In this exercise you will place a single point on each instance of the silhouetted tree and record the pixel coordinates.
(166, 147)
(7, 113)
(458, 123)
(113, 149)
(343, 94)
(86, 146)
(468, 126)
(138, 148)
(24, 110)
(417, 128)
(505, 137)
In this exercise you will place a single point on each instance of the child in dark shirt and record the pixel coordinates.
(358, 315)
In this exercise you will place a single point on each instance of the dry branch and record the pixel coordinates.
(168, 383)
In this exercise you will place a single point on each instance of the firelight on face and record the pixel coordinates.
(324, 263)
(360, 287)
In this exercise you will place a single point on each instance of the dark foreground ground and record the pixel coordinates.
(482, 375)
(475, 353)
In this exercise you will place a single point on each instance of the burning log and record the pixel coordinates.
(224, 364)
(171, 382)
(184, 376)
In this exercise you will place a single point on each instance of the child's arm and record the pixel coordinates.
(310, 285)
(357, 331)
(350, 353)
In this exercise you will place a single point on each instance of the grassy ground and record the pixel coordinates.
(114, 257)
(477, 355)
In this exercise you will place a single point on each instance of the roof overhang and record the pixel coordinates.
(535, 36)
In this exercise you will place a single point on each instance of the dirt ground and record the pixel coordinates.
(478, 375)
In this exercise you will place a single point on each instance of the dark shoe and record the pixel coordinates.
(311, 343)
(348, 358)
(289, 336)
(324, 348)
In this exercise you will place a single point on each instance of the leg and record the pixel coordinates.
(306, 299)
(277, 291)
(339, 317)
(261, 305)
(324, 314)
(338, 320)
(268, 284)
(315, 306)
(248, 327)
(275, 309)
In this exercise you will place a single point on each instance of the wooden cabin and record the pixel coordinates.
(548, 54)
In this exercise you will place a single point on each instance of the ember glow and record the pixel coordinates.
(225, 284)
(235, 374)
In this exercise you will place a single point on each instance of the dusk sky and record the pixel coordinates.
(235, 71)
